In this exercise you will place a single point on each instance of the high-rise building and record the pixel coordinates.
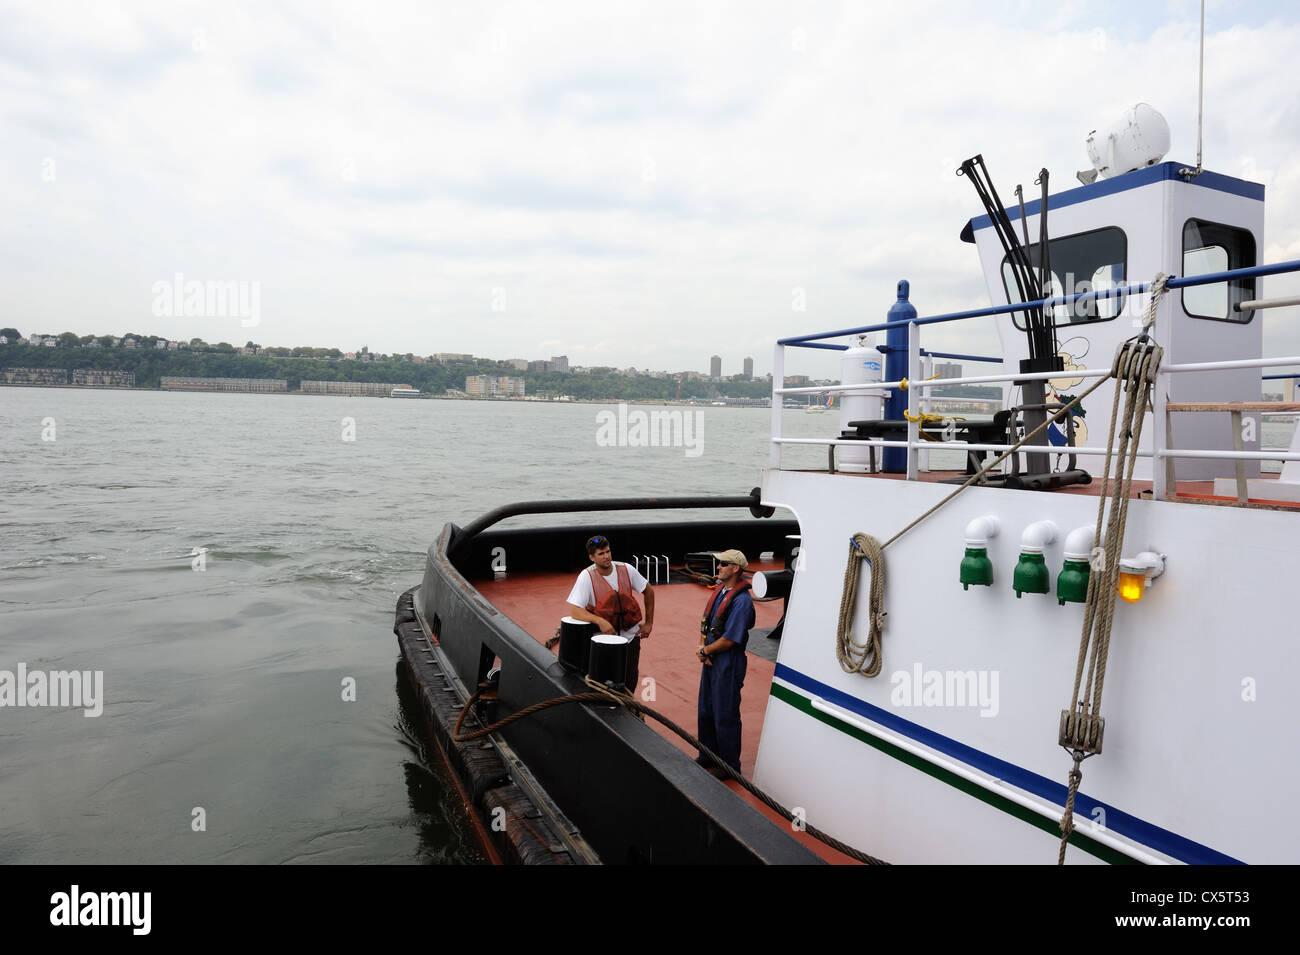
(715, 368)
(947, 369)
(560, 363)
(749, 369)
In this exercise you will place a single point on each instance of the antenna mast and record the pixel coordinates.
(1200, 103)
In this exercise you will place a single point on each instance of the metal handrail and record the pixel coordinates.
(945, 382)
(1208, 278)
(1039, 376)
(1286, 455)
(923, 387)
(464, 535)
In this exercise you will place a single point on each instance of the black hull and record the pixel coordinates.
(632, 796)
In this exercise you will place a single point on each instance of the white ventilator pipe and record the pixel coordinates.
(1078, 543)
(981, 529)
(1037, 536)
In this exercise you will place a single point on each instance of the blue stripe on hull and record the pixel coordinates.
(1161, 840)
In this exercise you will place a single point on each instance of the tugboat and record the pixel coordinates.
(1065, 651)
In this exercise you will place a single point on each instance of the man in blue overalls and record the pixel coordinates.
(724, 631)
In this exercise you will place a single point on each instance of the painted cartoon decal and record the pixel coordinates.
(1072, 352)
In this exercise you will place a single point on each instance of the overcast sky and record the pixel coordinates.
(627, 184)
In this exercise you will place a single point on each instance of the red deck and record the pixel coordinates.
(668, 656)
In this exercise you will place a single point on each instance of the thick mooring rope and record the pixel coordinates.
(1082, 727)
(604, 694)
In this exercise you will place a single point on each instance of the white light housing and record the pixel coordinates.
(1136, 574)
(1148, 563)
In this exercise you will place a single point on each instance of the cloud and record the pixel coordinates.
(662, 167)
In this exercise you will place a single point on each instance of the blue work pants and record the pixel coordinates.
(719, 704)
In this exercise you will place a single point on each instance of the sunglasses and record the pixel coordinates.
(598, 542)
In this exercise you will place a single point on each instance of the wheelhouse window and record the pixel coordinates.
(1086, 262)
(1211, 247)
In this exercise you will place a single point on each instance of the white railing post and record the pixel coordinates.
(927, 370)
(778, 403)
(913, 402)
(1160, 420)
(1159, 437)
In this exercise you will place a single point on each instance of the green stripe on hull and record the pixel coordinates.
(1077, 838)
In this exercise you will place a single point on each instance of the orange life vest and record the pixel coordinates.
(619, 607)
(720, 621)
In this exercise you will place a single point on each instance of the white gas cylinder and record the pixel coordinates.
(861, 365)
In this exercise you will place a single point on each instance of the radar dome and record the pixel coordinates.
(1139, 139)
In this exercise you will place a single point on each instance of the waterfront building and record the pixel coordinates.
(103, 378)
(238, 385)
(34, 376)
(352, 389)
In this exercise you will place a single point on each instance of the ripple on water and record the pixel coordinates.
(53, 559)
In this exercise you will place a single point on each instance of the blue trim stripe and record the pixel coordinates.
(1161, 840)
(1163, 172)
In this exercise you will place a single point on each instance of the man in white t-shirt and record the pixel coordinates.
(604, 594)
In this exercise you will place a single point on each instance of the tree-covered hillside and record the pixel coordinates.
(150, 365)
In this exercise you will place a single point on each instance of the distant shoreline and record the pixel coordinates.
(305, 394)
(151, 368)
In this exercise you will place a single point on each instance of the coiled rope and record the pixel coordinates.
(604, 694)
(863, 657)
